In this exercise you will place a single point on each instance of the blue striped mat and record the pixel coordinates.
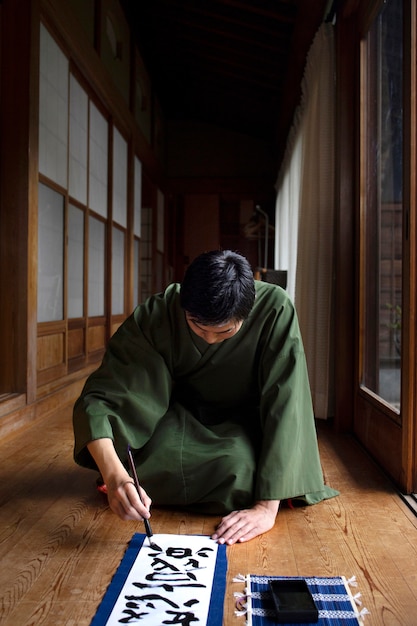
(335, 603)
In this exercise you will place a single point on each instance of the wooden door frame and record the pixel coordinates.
(409, 327)
(356, 410)
(390, 440)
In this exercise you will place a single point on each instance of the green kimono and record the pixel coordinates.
(214, 427)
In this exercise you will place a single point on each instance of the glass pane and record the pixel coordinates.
(78, 142)
(50, 255)
(383, 206)
(98, 162)
(53, 110)
(119, 179)
(96, 267)
(118, 272)
(75, 262)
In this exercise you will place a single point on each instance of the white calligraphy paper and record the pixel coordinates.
(169, 585)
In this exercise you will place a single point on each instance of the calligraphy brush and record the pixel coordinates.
(148, 528)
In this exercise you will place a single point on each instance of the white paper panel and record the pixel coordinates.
(50, 255)
(118, 272)
(99, 141)
(96, 267)
(53, 110)
(75, 262)
(119, 179)
(138, 198)
(78, 149)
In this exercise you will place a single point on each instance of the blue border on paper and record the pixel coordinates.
(218, 590)
(215, 614)
(118, 580)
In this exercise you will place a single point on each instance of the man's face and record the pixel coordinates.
(213, 334)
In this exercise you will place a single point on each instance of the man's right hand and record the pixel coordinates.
(122, 494)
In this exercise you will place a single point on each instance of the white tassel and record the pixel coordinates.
(352, 582)
(357, 600)
(364, 612)
(240, 578)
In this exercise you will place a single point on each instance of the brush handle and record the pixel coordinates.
(148, 528)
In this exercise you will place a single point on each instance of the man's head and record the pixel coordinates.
(218, 288)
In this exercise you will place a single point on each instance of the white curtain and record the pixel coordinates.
(286, 212)
(304, 215)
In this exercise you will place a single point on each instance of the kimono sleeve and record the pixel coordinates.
(289, 463)
(125, 397)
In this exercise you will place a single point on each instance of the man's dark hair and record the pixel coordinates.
(218, 287)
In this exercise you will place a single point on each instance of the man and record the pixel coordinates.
(207, 383)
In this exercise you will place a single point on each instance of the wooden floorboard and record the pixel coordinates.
(60, 544)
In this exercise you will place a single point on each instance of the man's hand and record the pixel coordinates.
(125, 502)
(240, 526)
(121, 491)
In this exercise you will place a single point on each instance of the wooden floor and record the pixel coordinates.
(60, 545)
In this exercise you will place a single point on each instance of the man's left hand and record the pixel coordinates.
(240, 526)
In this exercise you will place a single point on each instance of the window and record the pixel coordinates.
(96, 266)
(82, 232)
(383, 205)
(78, 148)
(118, 265)
(51, 255)
(98, 174)
(137, 225)
(53, 110)
(75, 262)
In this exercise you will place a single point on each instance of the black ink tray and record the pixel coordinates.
(293, 601)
